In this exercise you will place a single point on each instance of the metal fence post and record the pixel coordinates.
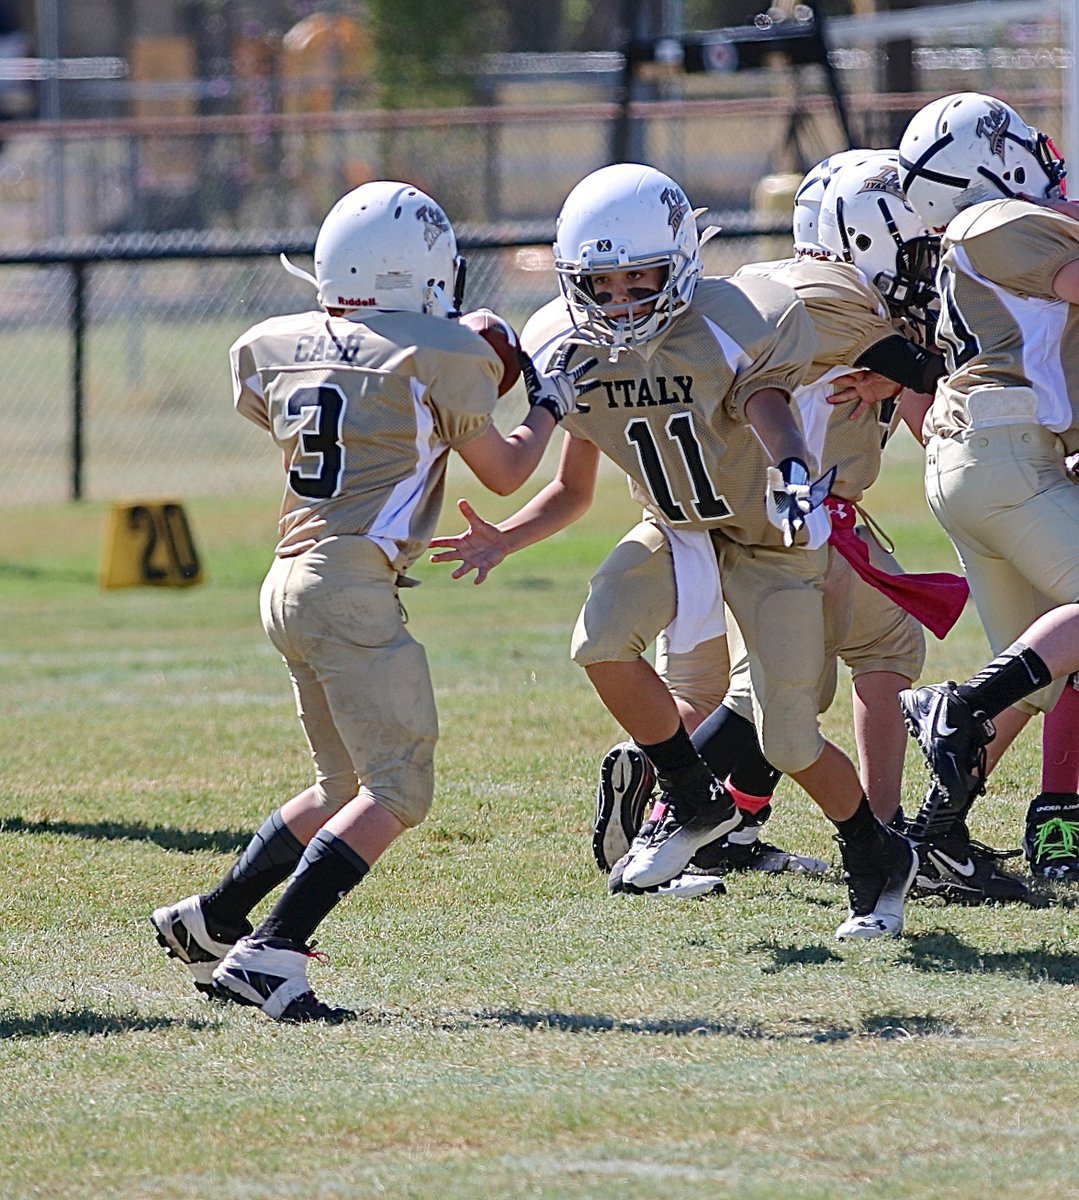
(78, 330)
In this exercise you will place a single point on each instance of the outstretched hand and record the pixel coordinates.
(480, 548)
(867, 387)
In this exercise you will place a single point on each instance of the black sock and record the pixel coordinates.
(685, 778)
(674, 754)
(1013, 674)
(327, 872)
(861, 828)
(270, 857)
(722, 739)
(754, 774)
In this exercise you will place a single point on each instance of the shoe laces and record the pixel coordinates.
(984, 851)
(320, 956)
(1057, 839)
(977, 770)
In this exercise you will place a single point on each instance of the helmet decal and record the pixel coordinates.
(885, 180)
(434, 221)
(994, 128)
(677, 205)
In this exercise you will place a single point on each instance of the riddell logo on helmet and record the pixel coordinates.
(353, 302)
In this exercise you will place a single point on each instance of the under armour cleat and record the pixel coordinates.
(878, 880)
(626, 783)
(672, 844)
(1051, 840)
(952, 736)
(963, 871)
(271, 974)
(614, 882)
(181, 929)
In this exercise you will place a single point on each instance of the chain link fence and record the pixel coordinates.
(140, 404)
(113, 343)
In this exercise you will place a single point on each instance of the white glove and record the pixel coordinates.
(790, 497)
(558, 388)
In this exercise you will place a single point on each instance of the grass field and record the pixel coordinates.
(522, 1033)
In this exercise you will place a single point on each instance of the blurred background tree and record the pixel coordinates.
(425, 49)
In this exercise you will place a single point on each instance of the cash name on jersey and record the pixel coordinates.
(310, 348)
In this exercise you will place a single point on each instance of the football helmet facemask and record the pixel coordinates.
(967, 148)
(386, 246)
(620, 218)
(865, 220)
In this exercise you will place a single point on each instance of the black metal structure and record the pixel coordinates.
(799, 41)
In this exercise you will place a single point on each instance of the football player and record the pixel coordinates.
(866, 283)
(365, 397)
(885, 647)
(691, 398)
(1005, 419)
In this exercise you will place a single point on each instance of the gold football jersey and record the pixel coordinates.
(671, 414)
(366, 413)
(1011, 345)
(850, 317)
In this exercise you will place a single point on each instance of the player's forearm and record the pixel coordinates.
(906, 362)
(523, 449)
(774, 422)
(549, 511)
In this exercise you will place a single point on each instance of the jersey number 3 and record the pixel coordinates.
(708, 504)
(319, 465)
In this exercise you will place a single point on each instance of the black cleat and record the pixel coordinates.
(626, 783)
(952, 736)
(963, 871)
(743, 850)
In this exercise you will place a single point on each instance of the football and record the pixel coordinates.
(500, 336)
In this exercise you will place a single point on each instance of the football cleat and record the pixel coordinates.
(1051, 840)
(743, 850)
(181, 929)
(688, 886)
(878, 881)
(271, 974)
(626, 783)
(672, 844)
(952, 736)
(614, 883)
(963, 871)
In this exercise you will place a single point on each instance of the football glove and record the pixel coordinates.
(557, 388)
(790, 496)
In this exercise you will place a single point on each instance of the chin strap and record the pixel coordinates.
(299, 272)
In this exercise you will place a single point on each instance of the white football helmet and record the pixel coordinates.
(388, 246)
(810, 193)
(618, 218)
(967, 148)
(866, 220)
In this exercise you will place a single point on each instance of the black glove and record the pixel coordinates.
(791, 497)
(557, 388)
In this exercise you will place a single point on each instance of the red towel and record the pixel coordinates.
(936, 598)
